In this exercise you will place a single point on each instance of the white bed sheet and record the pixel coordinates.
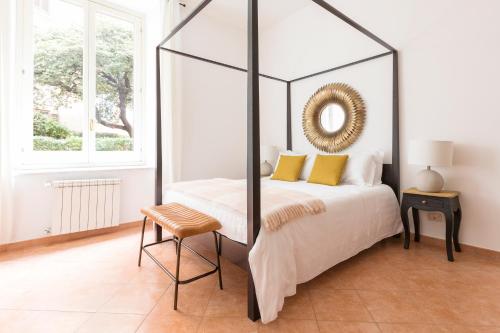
(356, 218)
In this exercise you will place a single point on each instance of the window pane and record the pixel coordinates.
(114, 84)
(58, 110)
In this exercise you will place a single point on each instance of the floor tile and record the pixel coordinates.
(393, 306)
(135, 298)
(290, 326)
(173, 322)
(334, 278)
(20, 321)
(347, 327)
(298, 306)
(227, 303)
(69, 297)
(227, 325)
(192, 300)
(111, 323)
(426, 328)
(95, 285)
(340, 305)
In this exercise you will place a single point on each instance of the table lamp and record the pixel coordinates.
(267, 154)
(430, 153)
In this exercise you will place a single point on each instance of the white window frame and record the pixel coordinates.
(88, 156)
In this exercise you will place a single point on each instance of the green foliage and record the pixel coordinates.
(114, 61)
(58, 71)
(114, 144)
(114, 68)
(45, 143)
(58, 67)
(107, 135)
(74, 143)
(45, 126)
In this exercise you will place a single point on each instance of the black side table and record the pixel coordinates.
(446, 202)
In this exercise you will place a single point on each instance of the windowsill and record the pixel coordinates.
(31, 170)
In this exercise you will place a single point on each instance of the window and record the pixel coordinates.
(82, 80)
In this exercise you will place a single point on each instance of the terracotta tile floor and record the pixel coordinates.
(94, 285)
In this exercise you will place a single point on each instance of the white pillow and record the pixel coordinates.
(379, 161)
(363, 168)
(308, 166)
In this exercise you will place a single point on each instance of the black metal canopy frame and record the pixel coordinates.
(390, 175)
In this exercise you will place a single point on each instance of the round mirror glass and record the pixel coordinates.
(332, 117)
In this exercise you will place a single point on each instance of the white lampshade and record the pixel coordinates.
(268, 153)
(430, 153)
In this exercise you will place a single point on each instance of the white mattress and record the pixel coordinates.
(355, 219)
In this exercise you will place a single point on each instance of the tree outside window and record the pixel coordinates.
(58, 89)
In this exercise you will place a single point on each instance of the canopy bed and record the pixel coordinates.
(372, 199)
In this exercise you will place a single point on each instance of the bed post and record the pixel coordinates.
(159, 160)
(395, 124)
(253, 148)
(288, 116)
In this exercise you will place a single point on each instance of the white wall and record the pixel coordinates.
(449, 70)
(449, 77)
(449, 73)
(213, 115)
(448, 81)
(311, 40)
(33, 201)
(213, 112)
(373, 80)
(283, 51)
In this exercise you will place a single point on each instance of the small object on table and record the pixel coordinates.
(266, 169)
(430, 153)
(268, 154)
(446, 202)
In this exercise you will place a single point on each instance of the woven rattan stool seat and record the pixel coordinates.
(180, 220)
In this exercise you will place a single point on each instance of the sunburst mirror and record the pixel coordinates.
(333, 117)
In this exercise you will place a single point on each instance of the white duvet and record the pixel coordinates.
(356, 217)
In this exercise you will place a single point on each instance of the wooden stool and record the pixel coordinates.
(181, 222)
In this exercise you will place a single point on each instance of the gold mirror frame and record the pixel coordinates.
(354, 108)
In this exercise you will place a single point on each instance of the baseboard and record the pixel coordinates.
(441, 242)
(50, 240)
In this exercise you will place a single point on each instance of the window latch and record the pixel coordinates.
(91, 125)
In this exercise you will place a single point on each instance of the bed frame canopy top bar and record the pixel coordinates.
(391, 171)
(187, 55)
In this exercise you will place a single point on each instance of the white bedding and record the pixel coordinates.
(355, 219)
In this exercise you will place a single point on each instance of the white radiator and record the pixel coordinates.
(85, 204)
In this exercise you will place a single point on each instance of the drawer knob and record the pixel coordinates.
(424, 202)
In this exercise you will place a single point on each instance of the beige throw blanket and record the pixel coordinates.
(279, 206)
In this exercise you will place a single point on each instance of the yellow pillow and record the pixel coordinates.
(289, 167)
(328, 169)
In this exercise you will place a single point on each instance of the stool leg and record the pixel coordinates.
(142, 240)
(220, 244)
(218, 260)
(179, 242)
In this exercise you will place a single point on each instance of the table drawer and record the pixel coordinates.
(423, 203)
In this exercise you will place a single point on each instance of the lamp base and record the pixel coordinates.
(429, 181)
(266, 169)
